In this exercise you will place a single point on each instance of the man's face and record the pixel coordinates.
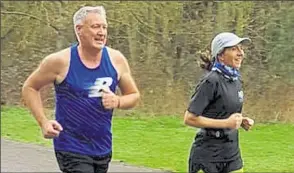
(233, 56)
(93, 31)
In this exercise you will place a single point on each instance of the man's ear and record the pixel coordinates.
(78, 29)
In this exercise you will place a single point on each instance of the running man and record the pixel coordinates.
(85, 77)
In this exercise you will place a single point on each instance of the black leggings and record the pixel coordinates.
(77, 163)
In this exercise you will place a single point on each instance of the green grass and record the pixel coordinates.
(164, 142)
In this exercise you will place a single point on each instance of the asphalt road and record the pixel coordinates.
(22, 157)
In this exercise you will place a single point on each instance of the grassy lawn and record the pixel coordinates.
(164, 142)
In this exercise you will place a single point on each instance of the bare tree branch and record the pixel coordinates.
(31, 16)
(61, 2)
(151, 29)
(118, 21)
(7, 34)
(258, 35)
(146, 37)
(46, 11)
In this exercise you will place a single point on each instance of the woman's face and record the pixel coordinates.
(232, 56)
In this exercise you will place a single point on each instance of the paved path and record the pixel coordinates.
(20, 157)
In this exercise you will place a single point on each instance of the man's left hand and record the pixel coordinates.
(109, 99)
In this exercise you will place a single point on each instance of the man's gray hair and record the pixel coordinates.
(82, 13)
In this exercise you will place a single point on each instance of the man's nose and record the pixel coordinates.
(100, 31)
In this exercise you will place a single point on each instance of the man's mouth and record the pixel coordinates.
(99, 40)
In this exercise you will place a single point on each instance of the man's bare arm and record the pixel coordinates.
(130, 93)
(45, 74)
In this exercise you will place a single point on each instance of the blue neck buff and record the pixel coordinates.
(228, 72)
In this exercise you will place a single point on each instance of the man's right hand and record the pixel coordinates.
(234, 121)
(51, 129)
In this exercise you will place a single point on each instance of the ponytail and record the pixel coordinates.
(207, 63)
(207, 60)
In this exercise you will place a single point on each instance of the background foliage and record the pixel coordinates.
(162, 42)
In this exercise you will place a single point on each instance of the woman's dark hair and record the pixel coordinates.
(207, 61)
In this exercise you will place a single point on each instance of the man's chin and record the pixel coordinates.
(99, 46)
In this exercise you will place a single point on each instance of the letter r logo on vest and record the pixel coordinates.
(100, 83)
